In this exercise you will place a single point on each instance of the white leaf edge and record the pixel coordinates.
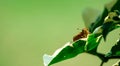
(48, 58)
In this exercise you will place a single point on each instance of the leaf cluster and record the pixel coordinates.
(88, 40)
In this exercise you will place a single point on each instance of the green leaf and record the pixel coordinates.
(115, 50)
(70, 50)
(92, 42)
(108, 27)
(109, 7)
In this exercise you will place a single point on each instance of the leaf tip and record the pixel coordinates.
(47, 59)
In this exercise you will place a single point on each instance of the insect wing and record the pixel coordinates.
(89, 15)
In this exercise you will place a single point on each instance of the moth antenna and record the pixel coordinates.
(79, 29)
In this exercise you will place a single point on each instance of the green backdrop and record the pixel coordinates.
(31, 28)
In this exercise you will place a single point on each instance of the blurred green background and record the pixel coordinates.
(31, 28)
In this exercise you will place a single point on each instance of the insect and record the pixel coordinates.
(88, 19)
(91, 22)
(91, 25)
(82, 34)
